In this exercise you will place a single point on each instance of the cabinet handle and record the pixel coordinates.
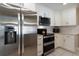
(64, 40)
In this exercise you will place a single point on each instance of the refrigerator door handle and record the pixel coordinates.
(22, 34)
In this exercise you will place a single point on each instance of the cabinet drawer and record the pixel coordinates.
(69, 37)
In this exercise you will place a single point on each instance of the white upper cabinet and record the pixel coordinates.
(65, 17)
(30, 6)
(70, 16)
(45, 12)
(57, 18)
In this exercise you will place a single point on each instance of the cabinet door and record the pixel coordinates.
(64, 18)
(69, 42)
(45, 12)
(30, 6)
(39, 45)
(42, 10)
(52, 21)
(59, 40)
(69, 16)
(57, 19)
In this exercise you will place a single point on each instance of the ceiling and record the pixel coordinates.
(58, 6)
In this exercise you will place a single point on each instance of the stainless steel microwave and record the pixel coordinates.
(44, 21)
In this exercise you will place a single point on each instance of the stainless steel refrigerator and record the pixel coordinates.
(18, 31)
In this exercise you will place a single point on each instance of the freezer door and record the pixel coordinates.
(9, 41)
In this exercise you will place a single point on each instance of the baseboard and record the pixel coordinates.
(57, 47)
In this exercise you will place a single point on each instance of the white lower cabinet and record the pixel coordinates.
(68, 42)
(39, 45)
(58, 40)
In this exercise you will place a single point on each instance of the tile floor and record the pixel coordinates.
(31, 51)
(62, 52)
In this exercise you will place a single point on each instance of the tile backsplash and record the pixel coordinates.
(69, 29)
